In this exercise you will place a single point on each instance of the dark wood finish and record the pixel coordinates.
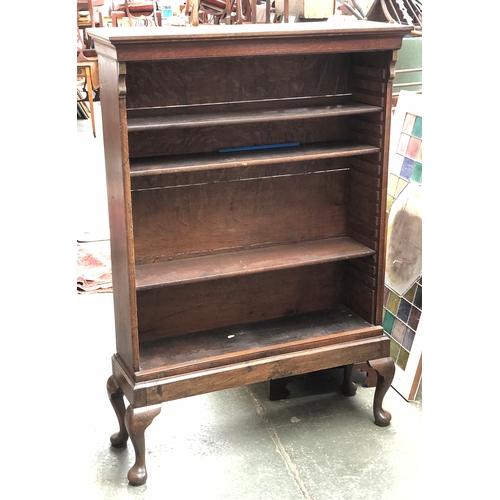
(226, 265)
(118, 439)
(137, 421)
(348, 387)
(385, 369)
(278, 390)
(371, 375)
(231, 268)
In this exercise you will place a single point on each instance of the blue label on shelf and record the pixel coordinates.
(263, 146)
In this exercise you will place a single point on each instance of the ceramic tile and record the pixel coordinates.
(407, 168)
(410, 294)
(392, 185)
(387, 293)
(402, 183)
(409, 123)
(390, 199)
(408, 339)
(413, 147)
(418, 297)
(404, 310)
(402, 360)
(414, 318)
(388, 321)
(403, 144)
(394, 349)
(398, 331)
(417, 127)
(393, 303)
(416, 175)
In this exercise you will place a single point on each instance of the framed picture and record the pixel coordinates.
(402, 319)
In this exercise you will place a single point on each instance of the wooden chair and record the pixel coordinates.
(87, 74)
(217, 11)
(231, 11)
(138, 13)
(392, 11)
(94, 19)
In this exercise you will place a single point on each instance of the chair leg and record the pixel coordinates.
(90, 95)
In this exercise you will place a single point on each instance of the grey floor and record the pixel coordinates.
(234, 444)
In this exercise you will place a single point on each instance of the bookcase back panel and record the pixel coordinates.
(177, 140)
(210, 217)
(178, 310)
(185, 82)
(157, 173)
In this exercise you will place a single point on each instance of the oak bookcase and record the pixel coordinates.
(246, 172)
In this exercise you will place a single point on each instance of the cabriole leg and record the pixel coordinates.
(277, 389)
(115, 394)
(348, 387)
(136, 421)
(385, 369)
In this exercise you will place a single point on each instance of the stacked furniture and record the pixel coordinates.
(247, 177)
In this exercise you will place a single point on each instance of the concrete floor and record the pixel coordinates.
(235, 444)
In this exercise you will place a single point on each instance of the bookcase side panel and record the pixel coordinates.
(119, 209)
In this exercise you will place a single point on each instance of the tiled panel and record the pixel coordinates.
(402, 312)
(407, 162)
(401, 319)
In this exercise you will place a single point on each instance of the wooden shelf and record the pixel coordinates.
(239, 343)
(150, 173)
(237, 263)
(162, 122)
